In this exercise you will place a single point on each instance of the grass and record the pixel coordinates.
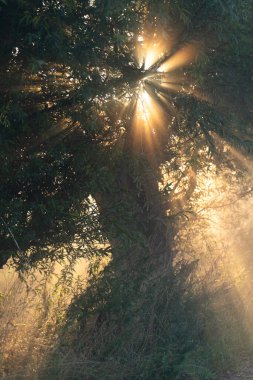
(31, 311)
(167, 331)
(190, 324)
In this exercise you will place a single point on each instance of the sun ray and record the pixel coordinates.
(182, 57)
(153, 108)
(149, 49)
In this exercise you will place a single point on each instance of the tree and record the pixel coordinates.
(66, 71)
(87, 168)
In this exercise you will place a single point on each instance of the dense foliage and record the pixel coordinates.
(63, 68)
(79, 180)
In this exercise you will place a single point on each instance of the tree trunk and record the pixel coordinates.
(133, 212)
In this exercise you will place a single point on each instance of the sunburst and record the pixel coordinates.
(151, 100)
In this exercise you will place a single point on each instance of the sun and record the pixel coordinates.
(148, 102)
(157, 64)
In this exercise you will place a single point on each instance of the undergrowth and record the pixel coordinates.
(167, 328)
(189, 322)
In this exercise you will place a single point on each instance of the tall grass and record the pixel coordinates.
(31, 310)
(191, 322)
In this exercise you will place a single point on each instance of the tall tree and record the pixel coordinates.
(74, 108)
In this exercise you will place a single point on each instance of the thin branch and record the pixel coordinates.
(12, 235)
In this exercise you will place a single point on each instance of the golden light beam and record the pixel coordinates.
(149, 50)
(148, 121)
(184, 56)
(151, 116)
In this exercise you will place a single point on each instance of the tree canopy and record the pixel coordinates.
(77, 171)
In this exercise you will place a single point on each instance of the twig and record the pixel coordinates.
(11, 233)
